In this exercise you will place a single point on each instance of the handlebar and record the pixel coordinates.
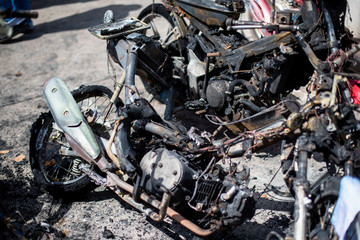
(8, 13)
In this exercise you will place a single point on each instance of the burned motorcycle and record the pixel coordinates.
(149, 162)
(214, 68)
(190, 175)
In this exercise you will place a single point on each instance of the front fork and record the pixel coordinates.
(301, 187)
(131, 92)
(303, 150)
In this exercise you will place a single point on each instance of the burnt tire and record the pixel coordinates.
(157, 17)
(161, 26)
(53, 162)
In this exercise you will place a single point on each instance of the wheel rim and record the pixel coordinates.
(165, 35)
(56, 162)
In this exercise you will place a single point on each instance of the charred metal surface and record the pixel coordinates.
(170, 212)
(117, 28)
(267, 44)
(210, 12)
(164, 132)
(152, 64)
(262, 120)
(234, 57)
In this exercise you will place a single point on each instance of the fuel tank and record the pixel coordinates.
(212, 12)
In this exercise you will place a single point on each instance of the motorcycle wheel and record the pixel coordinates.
(53, 163)
(323, 203)
(162, 27)
(162, 30)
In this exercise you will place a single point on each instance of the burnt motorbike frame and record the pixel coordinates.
(234, 58)
(223, 54)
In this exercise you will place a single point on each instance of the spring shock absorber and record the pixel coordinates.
(75, 167)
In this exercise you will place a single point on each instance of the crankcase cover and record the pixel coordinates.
(164, 171)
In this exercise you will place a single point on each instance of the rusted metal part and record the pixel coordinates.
(339, 61)
(267, 44)
(203, 94)
(209, 12)
(258, 47)
(206, 78)
(118, 88)
(294, 121)
(111, 140)
(188, 224)
(100, 161)
(234, 57)
(309, 52)
(218, 42)
(162, 132)
(169, 211)
(163, 206)
(258, 141)
(127, 198)
(98, 180)
(240, 24)
(139, 206)
(263, 119)
(180, 25)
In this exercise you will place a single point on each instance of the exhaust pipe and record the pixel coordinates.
(69, 118)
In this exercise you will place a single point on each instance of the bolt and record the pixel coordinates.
(215, 209)
(160, 165)
(53, 90)
(66, 113)
(174, 172)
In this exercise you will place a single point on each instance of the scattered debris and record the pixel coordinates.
(4, 151)
(264, 196)
(19, 158)
(18, 74)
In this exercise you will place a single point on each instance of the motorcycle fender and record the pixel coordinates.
(68, 116)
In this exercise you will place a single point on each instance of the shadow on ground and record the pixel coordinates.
(79, 21)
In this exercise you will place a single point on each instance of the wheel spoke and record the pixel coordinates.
(68, 171)
(103, 111)
(156, 34)
(166, 41)
(56, 171)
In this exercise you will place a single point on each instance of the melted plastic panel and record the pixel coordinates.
(120, 27)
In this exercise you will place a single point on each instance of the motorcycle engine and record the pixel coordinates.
(166, 171)
(226, 199)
